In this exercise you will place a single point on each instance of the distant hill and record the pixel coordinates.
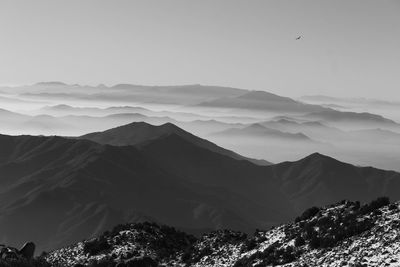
(176, 94)
(261, 100)
(352, 118)
(259, 131)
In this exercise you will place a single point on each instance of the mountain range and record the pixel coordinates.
(68, 188)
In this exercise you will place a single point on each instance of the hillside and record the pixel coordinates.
(342, 234)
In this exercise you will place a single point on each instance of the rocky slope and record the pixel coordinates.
(342, 234)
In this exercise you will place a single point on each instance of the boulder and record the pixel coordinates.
(28, 250)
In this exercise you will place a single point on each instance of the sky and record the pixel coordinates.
(348, 48)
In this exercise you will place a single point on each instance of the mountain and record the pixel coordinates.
(16, 123)
(320, 180)
(69, 188)
(316, 130)
(261, 100)
(137, 133)
(205, 127)
(367, 102)
(341, 234)
(314, 180)
(257, 130)
(354, 120)
(67, 110)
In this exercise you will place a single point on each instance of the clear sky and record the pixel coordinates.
(348, 48)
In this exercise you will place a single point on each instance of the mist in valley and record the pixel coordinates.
(255, 124)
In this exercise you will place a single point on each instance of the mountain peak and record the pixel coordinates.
(318, 156)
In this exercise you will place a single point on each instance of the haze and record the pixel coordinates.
(348, 48)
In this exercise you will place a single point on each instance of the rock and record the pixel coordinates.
(28, 250)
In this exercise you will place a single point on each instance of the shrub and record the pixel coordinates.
(307, 214)
(96, 246)
(250, 244)
(299, 241)
(374, 205)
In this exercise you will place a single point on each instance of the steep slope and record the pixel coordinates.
(140, 132)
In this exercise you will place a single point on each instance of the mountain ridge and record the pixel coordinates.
(141, 132)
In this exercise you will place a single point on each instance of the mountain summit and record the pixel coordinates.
(139, 133)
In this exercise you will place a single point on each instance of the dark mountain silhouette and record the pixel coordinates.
(65, 189)
(197, 163)
(69, 189)
(140, 132)
(319, 180)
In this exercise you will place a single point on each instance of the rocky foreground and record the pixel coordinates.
(343, 234)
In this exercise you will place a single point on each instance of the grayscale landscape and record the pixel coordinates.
(199, 133)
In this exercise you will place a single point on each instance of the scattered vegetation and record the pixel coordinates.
(272, 255)
(315, 228)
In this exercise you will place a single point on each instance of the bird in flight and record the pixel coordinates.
(299, 37)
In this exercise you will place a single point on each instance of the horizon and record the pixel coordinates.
(347, 49)
(295, 97)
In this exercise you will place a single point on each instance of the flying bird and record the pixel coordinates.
(299, 37)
